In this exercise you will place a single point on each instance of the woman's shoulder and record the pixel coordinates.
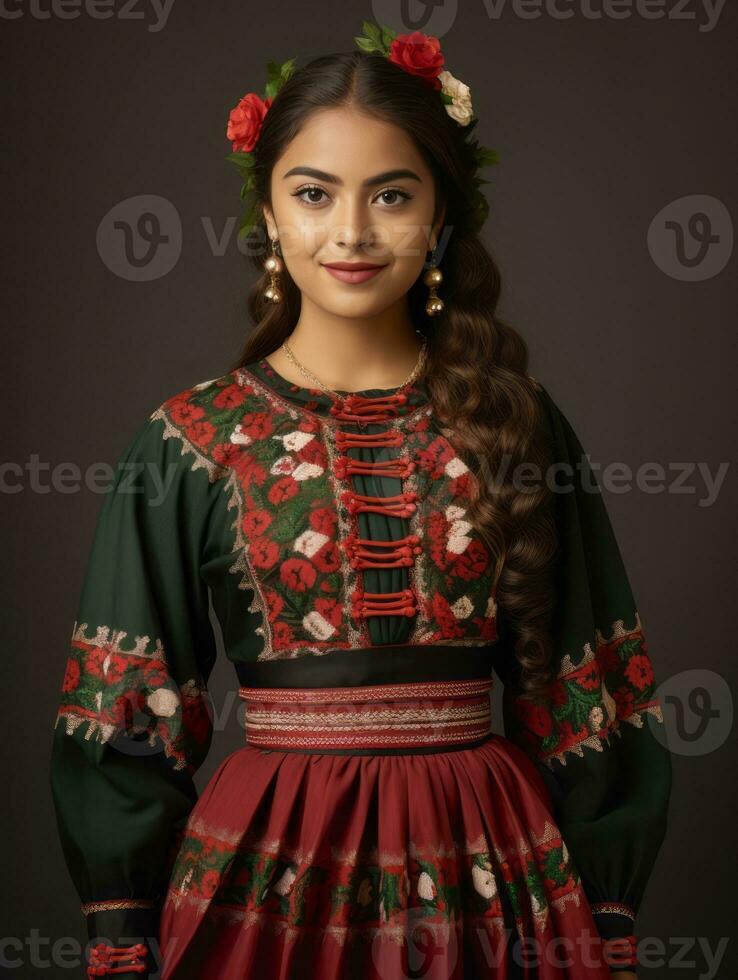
(212, 404)
(196, 419)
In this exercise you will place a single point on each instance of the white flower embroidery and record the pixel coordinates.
(596, 717)
(294, 441)
(306, 471)
(163, 702)
(458, 545)
(484, 881)
(456, 467)
(609, 704)
(283, 466)
(458, 539)
(309, 542)
(491, 609)
(463, 607)
(426, 888)
(454, 513)
(284, 885)
(318, 626)
(240, 438)
(461, 109)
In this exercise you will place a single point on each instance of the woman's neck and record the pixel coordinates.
(350, 353)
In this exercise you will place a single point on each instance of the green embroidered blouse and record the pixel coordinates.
(239, 488)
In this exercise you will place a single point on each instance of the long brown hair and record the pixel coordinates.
(476, 371)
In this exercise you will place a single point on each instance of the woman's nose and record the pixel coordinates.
(350, 223)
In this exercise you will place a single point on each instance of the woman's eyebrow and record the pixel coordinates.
(369, 182)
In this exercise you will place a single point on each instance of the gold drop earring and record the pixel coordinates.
(433, 278)
(273, 266)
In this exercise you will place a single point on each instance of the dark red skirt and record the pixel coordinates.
(435, 864)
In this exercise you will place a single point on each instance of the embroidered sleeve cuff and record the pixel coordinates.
(122, 925)
(615, 923)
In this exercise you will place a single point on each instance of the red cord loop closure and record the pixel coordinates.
(347, 440)
(400, 505)
(106, 960)
(621, 952)
(400, 467)
(383, 603)
(394, 554)
(355, 408)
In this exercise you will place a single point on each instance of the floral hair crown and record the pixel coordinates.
(417, 53)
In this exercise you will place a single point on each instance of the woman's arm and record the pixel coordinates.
(598, 739)
(133, 723)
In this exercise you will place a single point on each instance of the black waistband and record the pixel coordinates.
(370, 665)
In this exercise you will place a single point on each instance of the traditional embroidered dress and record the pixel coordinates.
(372, 824)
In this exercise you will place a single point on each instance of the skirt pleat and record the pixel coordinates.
(445, 866)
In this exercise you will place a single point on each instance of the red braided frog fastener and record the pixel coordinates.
(106, 960)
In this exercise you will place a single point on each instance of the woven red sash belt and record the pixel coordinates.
(403, 717)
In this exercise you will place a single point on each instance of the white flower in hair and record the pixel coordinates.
(461, 108)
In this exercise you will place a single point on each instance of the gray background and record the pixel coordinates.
(599, 124)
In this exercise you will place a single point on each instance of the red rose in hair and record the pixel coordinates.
(244, 122)
(419, 54)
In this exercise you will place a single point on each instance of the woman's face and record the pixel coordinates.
(352, 189)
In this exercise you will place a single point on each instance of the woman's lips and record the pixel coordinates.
(353, 275)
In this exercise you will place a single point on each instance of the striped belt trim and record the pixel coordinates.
(400, 717)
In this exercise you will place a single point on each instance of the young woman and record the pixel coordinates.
(386, 510)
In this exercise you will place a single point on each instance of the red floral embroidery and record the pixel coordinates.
(295, 555)
(472, 562)
(185, 413)
(324, 520)
(264, 553)
(227, 454)
(257, 425)
(587, 703)
(640, 672)
(71, 676)
(231, 396)
(284, 489)
(201, 432)
(435, 457)
(297, 574)
(255, 522)
(110, 686)
(330, 610)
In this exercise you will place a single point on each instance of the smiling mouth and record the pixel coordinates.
(353, 272)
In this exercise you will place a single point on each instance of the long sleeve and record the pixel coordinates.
(134, 722)
(599, 739)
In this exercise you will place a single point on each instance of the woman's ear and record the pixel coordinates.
(270, 222)
(437, 226)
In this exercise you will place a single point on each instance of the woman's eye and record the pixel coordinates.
(394, 192)
(316, 191)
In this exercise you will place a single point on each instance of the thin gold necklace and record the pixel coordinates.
(309, 374)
